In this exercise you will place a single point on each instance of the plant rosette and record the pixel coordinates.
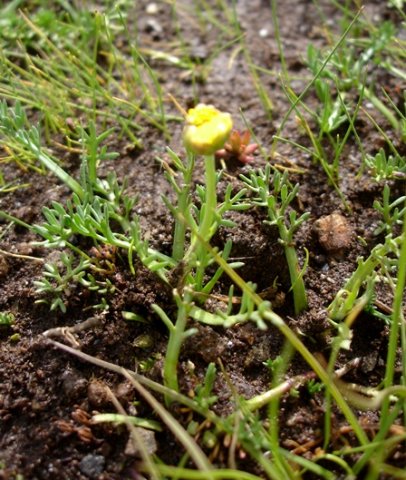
(238, 147)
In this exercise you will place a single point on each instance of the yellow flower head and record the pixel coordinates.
(206, 130)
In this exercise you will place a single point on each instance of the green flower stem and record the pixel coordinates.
(208, 210)
(211, 197)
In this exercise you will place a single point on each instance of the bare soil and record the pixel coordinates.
(47, 396)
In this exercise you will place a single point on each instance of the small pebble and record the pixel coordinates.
(92, 465)
(4, 268)
(25, 213)
(198, 51)
(334, 232)
(369, 362)
(144, 341)
(152, 8)
(124, 392)
(263, 33)
(24, 248)
(73, 385)
(148, 437)
(153, 27)
(97, 394)
(207, 343)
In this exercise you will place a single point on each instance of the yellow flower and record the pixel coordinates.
(206, 130)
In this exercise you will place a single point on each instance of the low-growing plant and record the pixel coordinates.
(80, 94)
(392, 212)
(206, 131)
(58, 285)
(386, 167)
(6, 319)
(204, 392)
(384, 255)
(94, 206)
(276, 194)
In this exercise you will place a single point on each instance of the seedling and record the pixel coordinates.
(58, 285)
(332, 109)
(182, 188)
(314, 387)
(385, 167)
(276, 194)
(392, 212)
(204, 393)
(94, 152)
(365, 272)
(6, 319)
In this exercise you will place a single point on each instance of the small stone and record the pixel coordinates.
(25, 248)
(73, 385)
(92, 465)
(258, 354)
(124, 392)
(369, 362)
(263, 33)
(152, 8)
(144, 341)
(334, 232)
(4, 267)
(153, 27)
(25, 213)
(147, 436)
(206, 343)
(199, 53)
(98, 394)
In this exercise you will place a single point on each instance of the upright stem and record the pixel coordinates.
(210, 204)
(208, 212)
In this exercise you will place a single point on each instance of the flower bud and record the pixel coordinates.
(206, 129)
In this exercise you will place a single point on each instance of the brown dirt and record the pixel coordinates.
(42, 436)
